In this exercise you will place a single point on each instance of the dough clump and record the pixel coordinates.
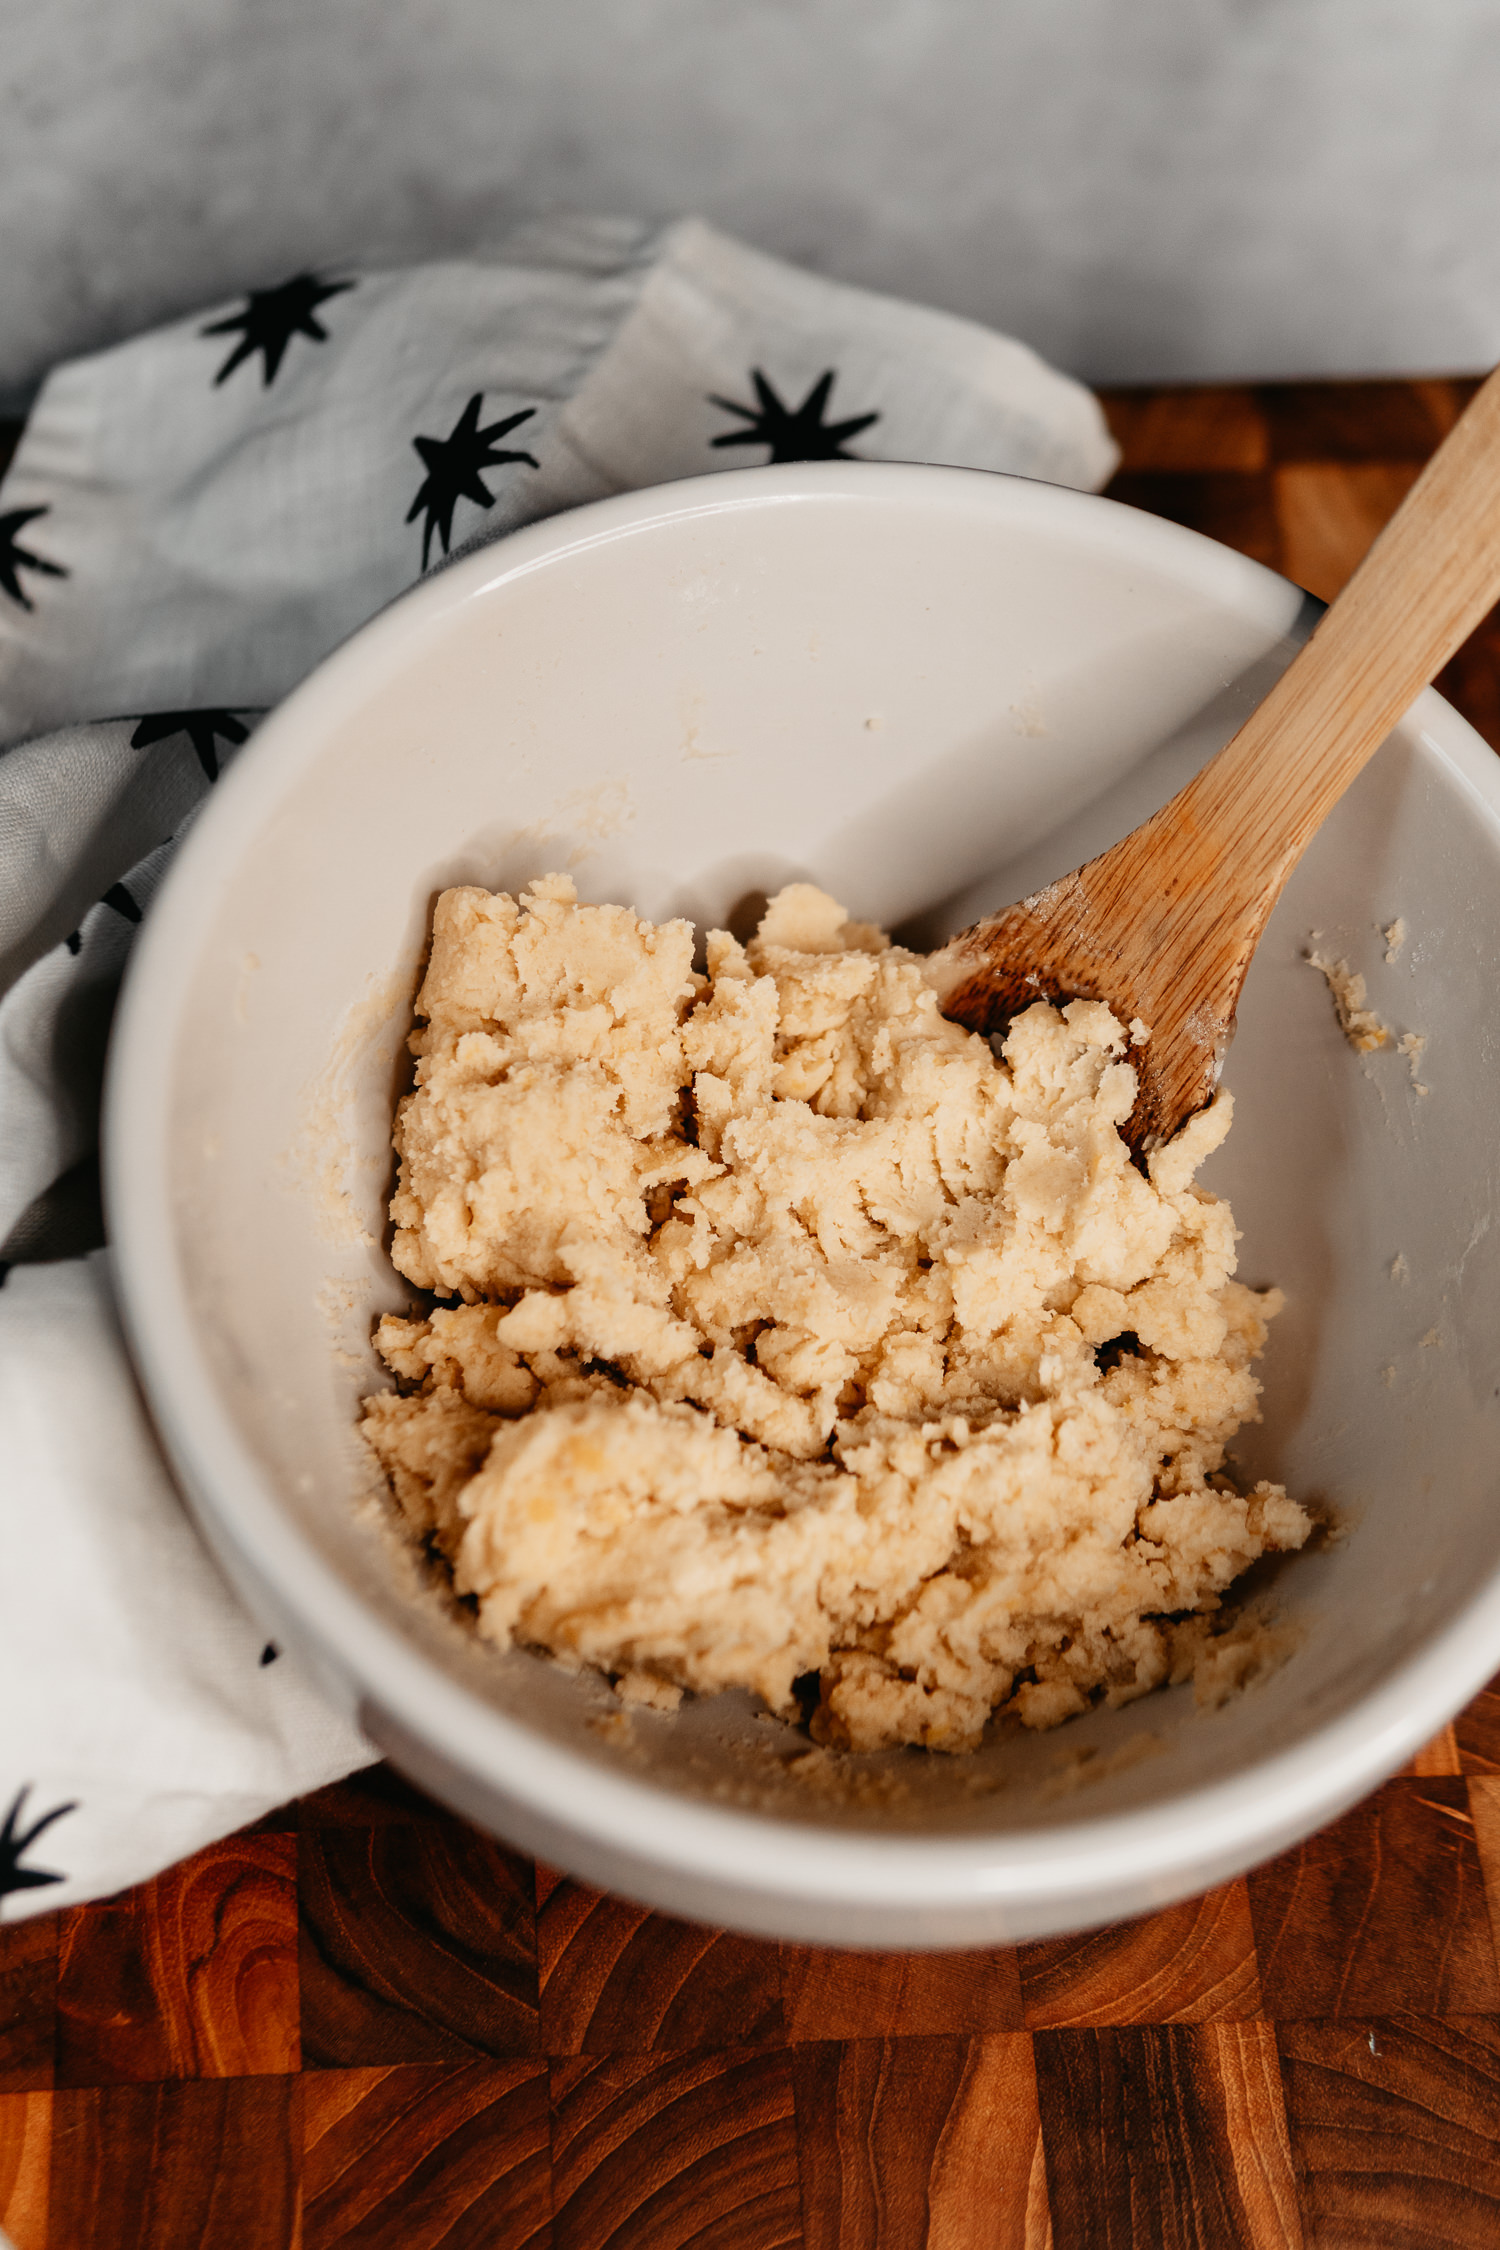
(788, 1334)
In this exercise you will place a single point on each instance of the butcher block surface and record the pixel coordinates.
(363, 2022)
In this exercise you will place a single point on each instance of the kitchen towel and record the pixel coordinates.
(191, 521)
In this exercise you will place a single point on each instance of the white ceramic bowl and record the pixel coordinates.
(913, 686)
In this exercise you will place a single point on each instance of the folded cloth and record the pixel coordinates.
(191, 521)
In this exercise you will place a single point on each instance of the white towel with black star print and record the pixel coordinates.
(190, 522)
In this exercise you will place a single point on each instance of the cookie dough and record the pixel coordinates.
(787, 1338)
(1360, 1025)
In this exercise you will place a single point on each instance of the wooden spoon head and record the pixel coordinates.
(1057, 945)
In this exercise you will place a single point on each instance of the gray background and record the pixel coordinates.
(1144, 189)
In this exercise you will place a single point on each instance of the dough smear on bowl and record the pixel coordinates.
(786, 1331)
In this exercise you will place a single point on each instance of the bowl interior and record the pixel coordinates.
(926, 690)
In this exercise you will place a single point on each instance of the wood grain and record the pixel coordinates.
(1383, 1911)
(1472, 681)
(1243, 2081)
(656, 2152)
(1211, 426)
(1395, 2129)
(417, 1945)
(1476, 1730)
(1484, 1811)
(1232, 505)
(615, 1978)
(25, 2167)
(832, 1995)
(1329, 516)
(193, 1975)
(371, 1798)
(1135, 2124)
(425, 2156)
(28, 2003)
(1186, 475)
(929, 2142)
(1361, 421)
(199, 2164)
(1439, 1756)
(1191, 1963)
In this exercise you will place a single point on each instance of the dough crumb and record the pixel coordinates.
(647, 1692)
(1394, 934)
(1360, 1025)
(837, 1781)
(1411, 1045)
(1399, 1268)
(783, 1337)
(613, 1727)
(1432, 1341)
(1081, 1769)
(1225, 1662)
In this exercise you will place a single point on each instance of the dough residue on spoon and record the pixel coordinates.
(786, 1338)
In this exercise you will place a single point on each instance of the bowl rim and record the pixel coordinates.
(1164, 1846)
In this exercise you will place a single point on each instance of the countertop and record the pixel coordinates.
(362, 2022)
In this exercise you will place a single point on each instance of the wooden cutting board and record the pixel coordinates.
(364, 2023)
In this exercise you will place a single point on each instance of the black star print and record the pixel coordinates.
(121, 900)
(798, 434)
(271, 318)
(14, 558)
(453, 464)
(15, 1842)
(202, 728)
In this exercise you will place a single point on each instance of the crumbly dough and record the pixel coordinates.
(786, 1331)
(1360, 1025)
(1413, 1045)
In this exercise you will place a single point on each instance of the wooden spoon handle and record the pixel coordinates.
(1163, 925)
(1422, 588)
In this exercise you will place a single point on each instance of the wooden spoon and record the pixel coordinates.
(1163, 924)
